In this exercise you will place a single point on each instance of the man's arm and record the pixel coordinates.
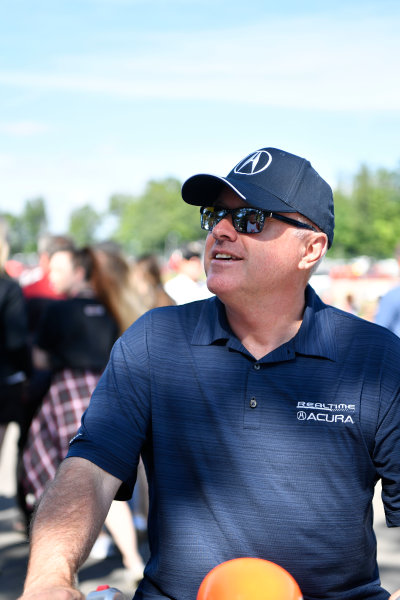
(66, 525)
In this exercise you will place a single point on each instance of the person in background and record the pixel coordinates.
(74, 340)
(146, 279)
(15, 363)
(189, 284)
(39, 294)
(36, 285)
(350, 304)
(264, 417)
(388, 313)
(252, 225)
(115, 287)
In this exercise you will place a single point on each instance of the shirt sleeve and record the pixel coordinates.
(388, 313)
(387, 442)
(116, 424)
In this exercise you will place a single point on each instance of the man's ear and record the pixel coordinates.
(315, 247)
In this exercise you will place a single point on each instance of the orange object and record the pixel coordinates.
(249, 579)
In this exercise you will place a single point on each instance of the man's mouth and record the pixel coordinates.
(221, 256)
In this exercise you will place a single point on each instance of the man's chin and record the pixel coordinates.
(219, 287)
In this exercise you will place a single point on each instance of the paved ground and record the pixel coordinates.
(14, 548)
(13, 560)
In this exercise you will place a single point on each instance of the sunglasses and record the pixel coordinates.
(245, 219)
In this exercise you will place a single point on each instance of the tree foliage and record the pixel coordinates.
(83, 225)
(148, 222)
(25, 229)
(368, 216)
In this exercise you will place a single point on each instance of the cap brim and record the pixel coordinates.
(204, 189)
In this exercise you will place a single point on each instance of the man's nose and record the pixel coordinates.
(224, 229)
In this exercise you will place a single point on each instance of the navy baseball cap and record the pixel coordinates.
(274, 180)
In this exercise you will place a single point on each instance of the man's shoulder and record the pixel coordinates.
(348, 325)
(162, 331)
(62, 312)
(10, 290)
(185, 310)
(8, 283)
(41, 288)
(188, 310)
(395, 290)
(182, 313)
(392, 296)
(57, 307)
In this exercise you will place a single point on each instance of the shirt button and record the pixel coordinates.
(257, 367)
(253, 402)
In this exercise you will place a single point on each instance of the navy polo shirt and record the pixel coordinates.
(275, 458)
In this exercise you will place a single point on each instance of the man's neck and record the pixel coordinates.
(262, 329)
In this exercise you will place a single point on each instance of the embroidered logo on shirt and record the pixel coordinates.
(325, 412)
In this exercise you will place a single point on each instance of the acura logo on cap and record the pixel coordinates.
(253, 164)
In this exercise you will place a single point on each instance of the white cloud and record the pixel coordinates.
(23, 128)
(313, 62)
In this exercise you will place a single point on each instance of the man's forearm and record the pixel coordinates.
(67, 523)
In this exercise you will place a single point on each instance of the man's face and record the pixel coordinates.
(241, 266)
(61, 272)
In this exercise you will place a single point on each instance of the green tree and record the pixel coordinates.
(83, 225)
(25, 229)
(34, 222)
(14, 235)
(146, 223)
(368, 216)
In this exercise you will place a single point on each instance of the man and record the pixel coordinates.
(40, 286)
(264, 418)
(388, 313)
(39, 294)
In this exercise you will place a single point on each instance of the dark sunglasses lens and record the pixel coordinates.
(245, 220)
(208, 218)
(248, 220)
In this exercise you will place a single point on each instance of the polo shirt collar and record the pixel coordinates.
(316, 336)
(212, 325)
(317, 333)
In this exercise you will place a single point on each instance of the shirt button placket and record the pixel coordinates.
(252, 413)
(253, 400)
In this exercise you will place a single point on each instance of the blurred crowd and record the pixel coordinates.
(357, 285)
(58, 322)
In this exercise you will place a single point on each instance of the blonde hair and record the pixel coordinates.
(111, 281)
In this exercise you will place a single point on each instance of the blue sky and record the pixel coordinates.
(99, 96)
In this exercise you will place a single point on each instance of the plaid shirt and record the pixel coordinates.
(53, 426)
